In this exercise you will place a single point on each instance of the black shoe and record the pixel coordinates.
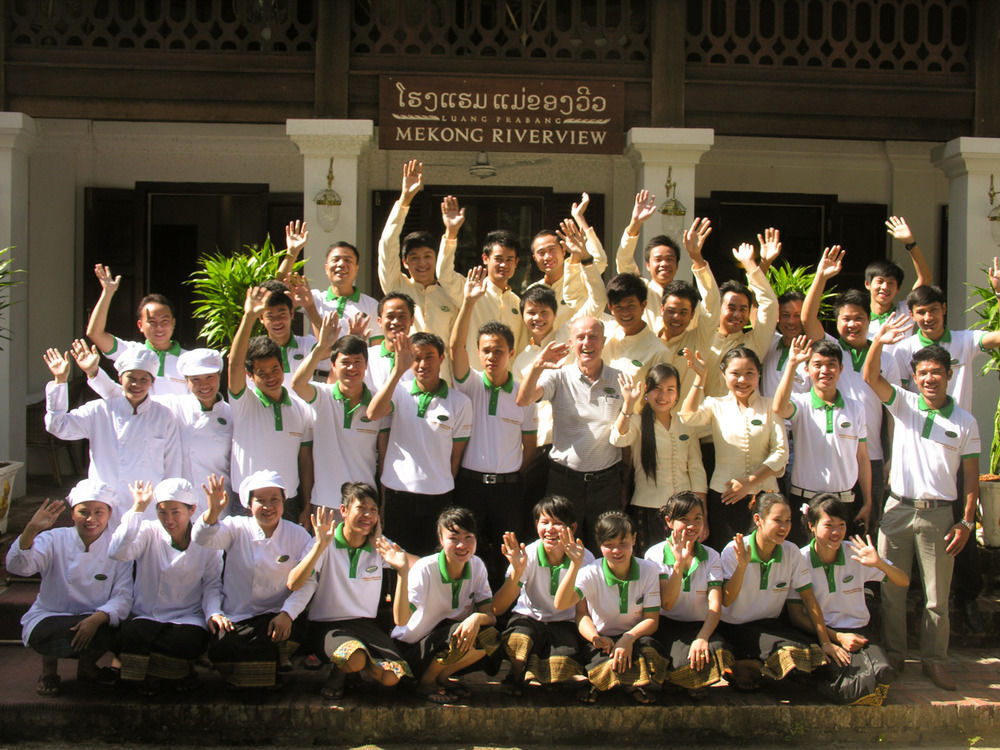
(973, 617)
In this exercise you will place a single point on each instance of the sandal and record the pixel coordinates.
(49, 685)
(640, 696)
(333, 688)
(458, 688)
(436, 694)
(588, 695)
(312, 662)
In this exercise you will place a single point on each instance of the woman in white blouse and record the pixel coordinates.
(751, 449)
(666, 454)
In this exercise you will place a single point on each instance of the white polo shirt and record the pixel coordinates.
(704, 573)
(961, 345)
(928, 446)
(344, 443)
(852, 384)
(167, 380)
(380, 364)
(826, 442)
(347, 581)
(633, 354)
(766, 585)
(257, 566)
(75, 581)
(328, 301)
(435, 596)
(877, 320)
(293, 352)
(583, 413)
(171, 585)
(773, 367)
(617, 604)
(539, 584)
(495, 443)
(268, 434)
(840, 586)
(424, 428)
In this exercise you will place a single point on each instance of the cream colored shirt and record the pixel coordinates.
(678, 461)
(633, 354)
(745, 438)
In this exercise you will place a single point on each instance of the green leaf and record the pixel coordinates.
(988, 311)
(784, 278)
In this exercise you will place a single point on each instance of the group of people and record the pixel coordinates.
(703, 467)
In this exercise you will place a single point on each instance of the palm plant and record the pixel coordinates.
(988, 310)
(220, 286)
(7, 280)
(785, 278)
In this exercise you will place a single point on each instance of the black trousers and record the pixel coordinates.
(410, 519)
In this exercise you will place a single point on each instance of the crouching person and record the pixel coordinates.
(254, 626)
(84, 593)
(176, 583)
(344, 568)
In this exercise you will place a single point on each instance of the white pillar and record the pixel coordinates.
(968, 163)
(916, 187)
(344, 140)
(18, 135)
(654, 151)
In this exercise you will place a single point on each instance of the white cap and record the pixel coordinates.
(175, 488)
(259, 480)
(138, 358)
(87, 490)
(199, 362)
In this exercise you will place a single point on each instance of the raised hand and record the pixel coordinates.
(413, 180)
(45, 517)
(514, 552)
(744, 255)
(573, 547)
(58, 364)
(551, 357)
(695, 236)
(404, 351)
(631, 389)
(742, 551)
(573, 240)
(770, 245)
(215, 494)
(800, 351)
(694, 361)
(579, 210)
(994, 274)
(644, 207)
(683, 551)
(87, 357)
(392, 553)
(452, 216)
(256, 301)
(898, 229)
(895, 329)
(296, 236)
(109, 283)
(298, 290)
(324, 523)
(142, 495)
(475, 284)
(358, 325)
(863, 551)
(329, 330)
(830, 263)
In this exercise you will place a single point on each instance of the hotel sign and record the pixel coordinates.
(445, 113)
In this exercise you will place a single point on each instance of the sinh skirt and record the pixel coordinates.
(549, 650)
(677, 637)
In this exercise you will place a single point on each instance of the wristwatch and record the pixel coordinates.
(968, 524)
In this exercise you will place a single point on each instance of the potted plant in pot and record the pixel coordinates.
(988, 310)
(8, 469)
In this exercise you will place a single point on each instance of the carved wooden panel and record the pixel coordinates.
(921, 36)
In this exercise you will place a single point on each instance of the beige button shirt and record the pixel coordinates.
(678, 461)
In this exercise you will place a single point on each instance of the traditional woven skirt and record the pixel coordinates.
(649, 664)
(780, 647)
(247, 657)
(677, 637)
(438, 646)
(159, 649)
(338, 641)
(863, 682)
(550, 650)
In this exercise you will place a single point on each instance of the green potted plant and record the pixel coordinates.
(8, 469)
(786, 278)
(988, 310)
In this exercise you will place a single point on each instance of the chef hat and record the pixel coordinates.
(259, 480)
(91, 489)
(199, 362)
(138, 358)
(175, 488)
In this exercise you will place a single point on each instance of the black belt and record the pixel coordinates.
(921, 504)
(847, 496)
(586, 476)
(511, 478)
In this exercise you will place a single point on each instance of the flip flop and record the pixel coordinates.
(640, 696)
(438, 695)
(333, 688)
(312, 662)
(588, 695)
(49, 685)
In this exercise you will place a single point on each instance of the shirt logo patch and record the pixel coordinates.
(445, 308)
(365, 419)
(683, 437)
(640, 599)
(756, 422)
(954, 361)
(442, 417)
(100, 577)
(283, 558)
(845, 424)
(951, 434)
(781, 585)
(371, 569)
(221, 420)
(610, 391)
(298, 356)
(637, 363)
(514, 310)
(848, 579)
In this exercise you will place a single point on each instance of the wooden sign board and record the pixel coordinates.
(448, 113)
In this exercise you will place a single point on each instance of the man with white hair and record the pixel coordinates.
(586, 400)
(132, 438)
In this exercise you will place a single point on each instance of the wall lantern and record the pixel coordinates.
(328, 203)
(672, 212)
